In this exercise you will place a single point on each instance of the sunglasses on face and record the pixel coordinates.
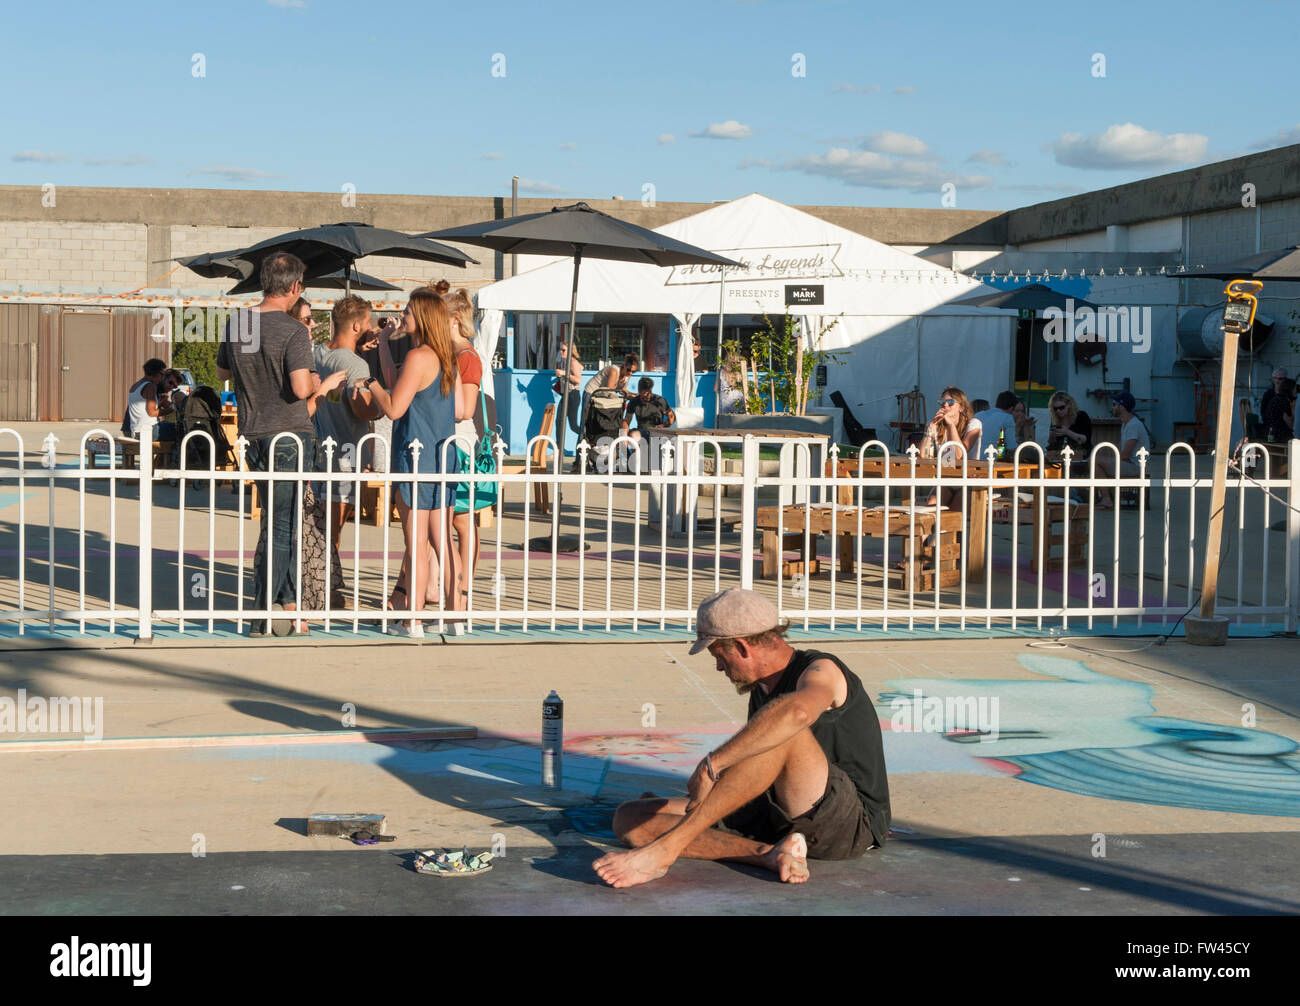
(1060, 408)
(947, 401)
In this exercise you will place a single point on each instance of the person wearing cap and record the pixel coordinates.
(1132, 435)
(803, 779)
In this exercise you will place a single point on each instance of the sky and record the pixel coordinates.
(811, 102)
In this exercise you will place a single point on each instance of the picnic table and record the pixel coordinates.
(694, 443)
(1004, 474)
(783, 528)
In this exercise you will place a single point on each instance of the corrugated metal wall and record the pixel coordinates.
(19, 336)
(49, 357)
(131, 347)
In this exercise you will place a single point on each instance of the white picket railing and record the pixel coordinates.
(640, 576)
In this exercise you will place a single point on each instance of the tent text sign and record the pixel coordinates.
(779, 262)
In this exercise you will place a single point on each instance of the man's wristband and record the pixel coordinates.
(708, 767)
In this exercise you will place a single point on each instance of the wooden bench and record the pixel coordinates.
(784, 527)
(130, 451)
(1045, 519)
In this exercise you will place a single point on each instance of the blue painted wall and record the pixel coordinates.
(522, 397)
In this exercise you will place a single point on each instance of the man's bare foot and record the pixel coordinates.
(627, 869)
(788, 859)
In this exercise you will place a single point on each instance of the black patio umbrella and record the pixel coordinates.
(328, 249)
(1029, 301)
(578, 230)
(343, 279)
(1282, 265)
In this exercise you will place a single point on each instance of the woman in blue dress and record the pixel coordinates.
(423, 407)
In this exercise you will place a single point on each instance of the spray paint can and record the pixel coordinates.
(552, 740)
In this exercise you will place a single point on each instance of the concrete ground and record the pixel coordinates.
(1124, 777)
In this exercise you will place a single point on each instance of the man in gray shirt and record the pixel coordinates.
(998, 420)
(268, 355)
(347, 419)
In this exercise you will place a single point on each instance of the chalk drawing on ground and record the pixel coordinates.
(1096, 735)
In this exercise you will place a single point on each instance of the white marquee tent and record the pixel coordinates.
(896, 325)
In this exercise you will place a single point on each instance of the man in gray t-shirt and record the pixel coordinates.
(268, 356)
(346, 420)
(260, 351)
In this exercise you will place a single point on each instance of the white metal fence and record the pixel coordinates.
(866, 542)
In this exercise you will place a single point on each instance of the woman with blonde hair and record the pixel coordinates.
(1071, 426)
(470, 370)
(423, 406)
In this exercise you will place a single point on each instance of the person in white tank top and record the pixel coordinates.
(143, 401)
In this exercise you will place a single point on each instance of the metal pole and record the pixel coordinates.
(722, 312)
(514, 212)
(563, 422)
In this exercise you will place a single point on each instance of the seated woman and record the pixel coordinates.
(1071, 427)
(954, 432)
(1026, 425)
(955, 421)
(953, 424)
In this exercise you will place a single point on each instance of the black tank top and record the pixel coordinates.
(849, 735)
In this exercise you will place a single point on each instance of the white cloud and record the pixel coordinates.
(39, 156)
(1128, 146)
(539, 187)
(566, 146)
(130, 161)
(906, 89)
(985, 156)
(870, 169)
(665, 138)
(757, 162)
(899, 144)
(288, 4)
(729, 130)
(855, 89)
(233, 174)
(1282, 138)
(491, 156)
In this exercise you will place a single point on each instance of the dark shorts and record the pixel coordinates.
(836, 827)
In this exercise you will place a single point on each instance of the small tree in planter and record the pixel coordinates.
(779, 370)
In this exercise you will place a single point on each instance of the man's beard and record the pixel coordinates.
(744, 687)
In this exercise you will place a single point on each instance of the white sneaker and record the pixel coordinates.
(415, 631)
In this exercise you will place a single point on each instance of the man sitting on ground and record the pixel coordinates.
(805, 777)
(1132, 436)
(998, 420)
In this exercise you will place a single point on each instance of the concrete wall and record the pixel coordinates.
(100, 240)
(1275, 175)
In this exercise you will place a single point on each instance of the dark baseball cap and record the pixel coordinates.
(1125, 399)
